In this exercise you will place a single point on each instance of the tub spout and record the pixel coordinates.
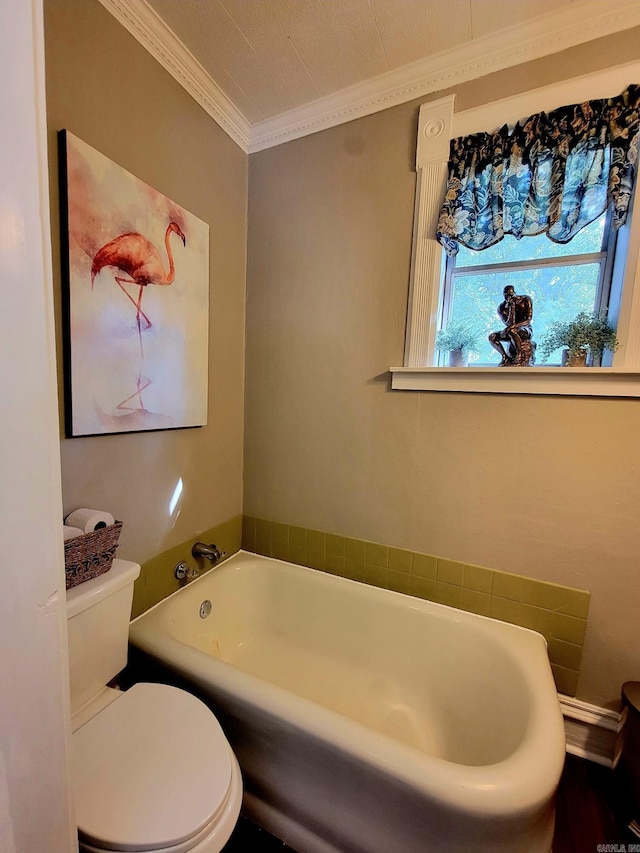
(209, 552)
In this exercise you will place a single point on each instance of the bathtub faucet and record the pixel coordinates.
(209, 552)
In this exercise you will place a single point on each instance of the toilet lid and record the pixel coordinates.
(150, 771)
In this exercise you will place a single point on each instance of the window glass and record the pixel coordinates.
(558, 293)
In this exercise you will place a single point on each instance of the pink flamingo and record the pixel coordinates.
(136, 256)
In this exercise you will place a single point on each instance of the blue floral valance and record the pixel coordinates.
(555, 172)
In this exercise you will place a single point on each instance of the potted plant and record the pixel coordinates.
(458, 339)
(587, 334)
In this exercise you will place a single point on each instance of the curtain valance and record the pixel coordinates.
(554, 172)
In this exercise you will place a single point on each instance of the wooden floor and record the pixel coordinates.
(585, 811)
(585, 817)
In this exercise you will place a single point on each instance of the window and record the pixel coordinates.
(596, 269)
(561, 279)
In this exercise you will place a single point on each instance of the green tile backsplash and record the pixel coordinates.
(156, 579)
(557, 612)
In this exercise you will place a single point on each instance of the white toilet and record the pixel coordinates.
(152, 769)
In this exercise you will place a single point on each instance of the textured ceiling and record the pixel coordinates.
(270, 56)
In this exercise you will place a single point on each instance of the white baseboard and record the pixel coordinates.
(591, 731)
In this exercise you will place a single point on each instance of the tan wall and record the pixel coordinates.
(545, 487)
(105, 88)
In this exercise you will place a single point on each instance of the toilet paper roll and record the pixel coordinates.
(71, 532)
(89, 520)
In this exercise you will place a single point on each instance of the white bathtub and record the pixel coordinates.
(366, 721)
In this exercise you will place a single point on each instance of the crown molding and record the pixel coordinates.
(573, 24)
(559, 30)
(149, 29)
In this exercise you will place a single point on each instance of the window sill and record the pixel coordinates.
(574, 381)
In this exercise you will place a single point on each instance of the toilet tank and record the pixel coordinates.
(98, 614)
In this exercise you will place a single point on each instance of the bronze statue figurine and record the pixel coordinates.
(516, 312)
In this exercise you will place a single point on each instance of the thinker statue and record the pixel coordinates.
(516, 312)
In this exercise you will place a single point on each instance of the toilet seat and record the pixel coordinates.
(153, 771)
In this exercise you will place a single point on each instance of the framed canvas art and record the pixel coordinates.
(136, 266)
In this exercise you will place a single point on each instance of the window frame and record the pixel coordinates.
(437, 125)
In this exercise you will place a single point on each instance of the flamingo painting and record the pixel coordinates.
(136, 256)
(131, 366)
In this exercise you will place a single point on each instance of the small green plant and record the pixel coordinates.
(586, 333)
(457, 336)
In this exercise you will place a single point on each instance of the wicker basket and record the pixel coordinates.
(91, 554)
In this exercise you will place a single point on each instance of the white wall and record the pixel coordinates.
(34, 714)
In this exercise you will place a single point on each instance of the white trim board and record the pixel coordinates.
(590, 731)
(574, 381)
(564, 28)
